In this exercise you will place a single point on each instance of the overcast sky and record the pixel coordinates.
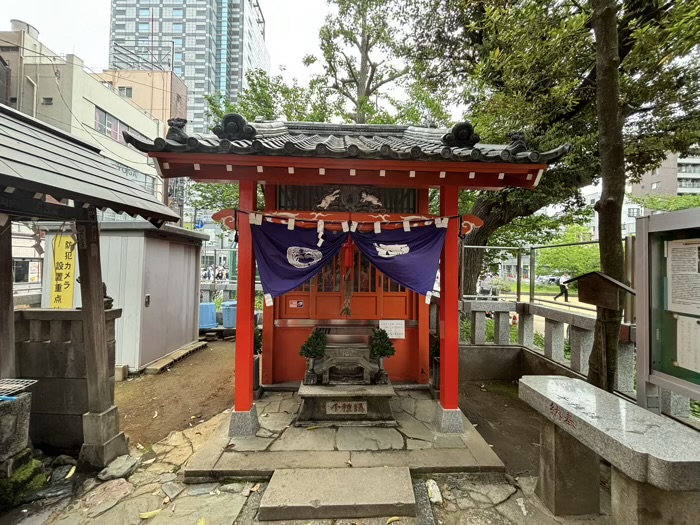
(81, 27)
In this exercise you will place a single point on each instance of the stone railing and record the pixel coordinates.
(556, 332)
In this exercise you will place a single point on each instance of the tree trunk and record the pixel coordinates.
(603, 359)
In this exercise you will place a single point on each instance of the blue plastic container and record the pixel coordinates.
(228, 308)
(207, 316)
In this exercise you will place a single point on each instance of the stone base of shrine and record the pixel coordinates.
(346, 405)
(414, 442)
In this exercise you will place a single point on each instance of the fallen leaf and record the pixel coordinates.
(149, 514)
(193, 417)
(139, 446)
(265, 415)
(166, 500)
(148, 461)
(348, 463)
(229, 446)
(201, 521)
(155, 415)
(70, 472)
(392, 519)
(312, 428)
(255, 488)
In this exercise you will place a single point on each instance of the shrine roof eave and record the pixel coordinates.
(378, 172)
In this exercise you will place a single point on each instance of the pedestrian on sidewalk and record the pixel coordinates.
(563, 288)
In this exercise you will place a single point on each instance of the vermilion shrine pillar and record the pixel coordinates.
(448, 417)
(244, 420)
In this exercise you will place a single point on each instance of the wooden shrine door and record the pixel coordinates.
(374, 295)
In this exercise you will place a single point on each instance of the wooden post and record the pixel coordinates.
(423, 372)
(243, 400)
(8, 367)
(449, 303)
(94, 328)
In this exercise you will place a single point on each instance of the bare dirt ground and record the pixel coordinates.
(195, 389)
(505, 422)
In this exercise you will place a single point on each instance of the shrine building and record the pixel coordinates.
(345, 238)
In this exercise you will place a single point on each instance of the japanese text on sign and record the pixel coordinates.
(395, 329)
(63, 272)
(562, 415)
(346, 407)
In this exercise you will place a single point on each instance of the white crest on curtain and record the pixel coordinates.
(301, 257)
(391, 250)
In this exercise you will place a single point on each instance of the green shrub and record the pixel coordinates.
(465, 331)
(380, 345)
(257, 341)
(315, 345)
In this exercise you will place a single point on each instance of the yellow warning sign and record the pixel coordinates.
(63, 272)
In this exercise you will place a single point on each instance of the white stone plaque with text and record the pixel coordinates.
(395, 328)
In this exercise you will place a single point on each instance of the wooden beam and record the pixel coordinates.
(17, 205)
(423, 310)
(8, 364)
(94, 329)
(486, 180)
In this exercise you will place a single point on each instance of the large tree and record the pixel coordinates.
(358, 47)
(602, 364)
(530, 65)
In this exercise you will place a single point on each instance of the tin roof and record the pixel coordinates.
(37, 159)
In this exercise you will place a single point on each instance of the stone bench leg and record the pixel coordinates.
(635, 503)
(569, 476)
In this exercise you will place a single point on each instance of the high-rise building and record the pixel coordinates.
(210, 44)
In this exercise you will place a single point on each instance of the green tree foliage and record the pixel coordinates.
(574, 260)
(667, 202)
(271, 98)
(530, 65)
(358, 55)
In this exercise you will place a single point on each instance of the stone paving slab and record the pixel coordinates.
(258, 465)
(423, 461)
(336, 493)
(216, 509)
(353, 438)
(296, 438)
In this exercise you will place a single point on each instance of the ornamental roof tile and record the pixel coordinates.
(365, 141)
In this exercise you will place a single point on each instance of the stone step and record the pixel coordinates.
(296, 494)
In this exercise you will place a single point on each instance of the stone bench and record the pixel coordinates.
(655, 461)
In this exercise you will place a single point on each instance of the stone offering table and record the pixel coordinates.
(343, 403)
(655, 460)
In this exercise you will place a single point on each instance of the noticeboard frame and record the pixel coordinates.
(652, 232)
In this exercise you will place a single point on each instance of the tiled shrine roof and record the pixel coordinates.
(365, 141)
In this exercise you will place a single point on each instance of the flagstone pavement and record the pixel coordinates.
(157, 486)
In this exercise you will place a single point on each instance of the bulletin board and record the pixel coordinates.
(675, 303)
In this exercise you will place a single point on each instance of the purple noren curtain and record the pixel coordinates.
(288, 258)
(411, 258)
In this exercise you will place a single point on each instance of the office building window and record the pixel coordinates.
(655, 185)
(178, 70)
(144, 12)
(177, 27)
(125, 91)
(178, 12)
(178, 56)
(634, 212)
(47, 101)
(144, 27)
(177, 41)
